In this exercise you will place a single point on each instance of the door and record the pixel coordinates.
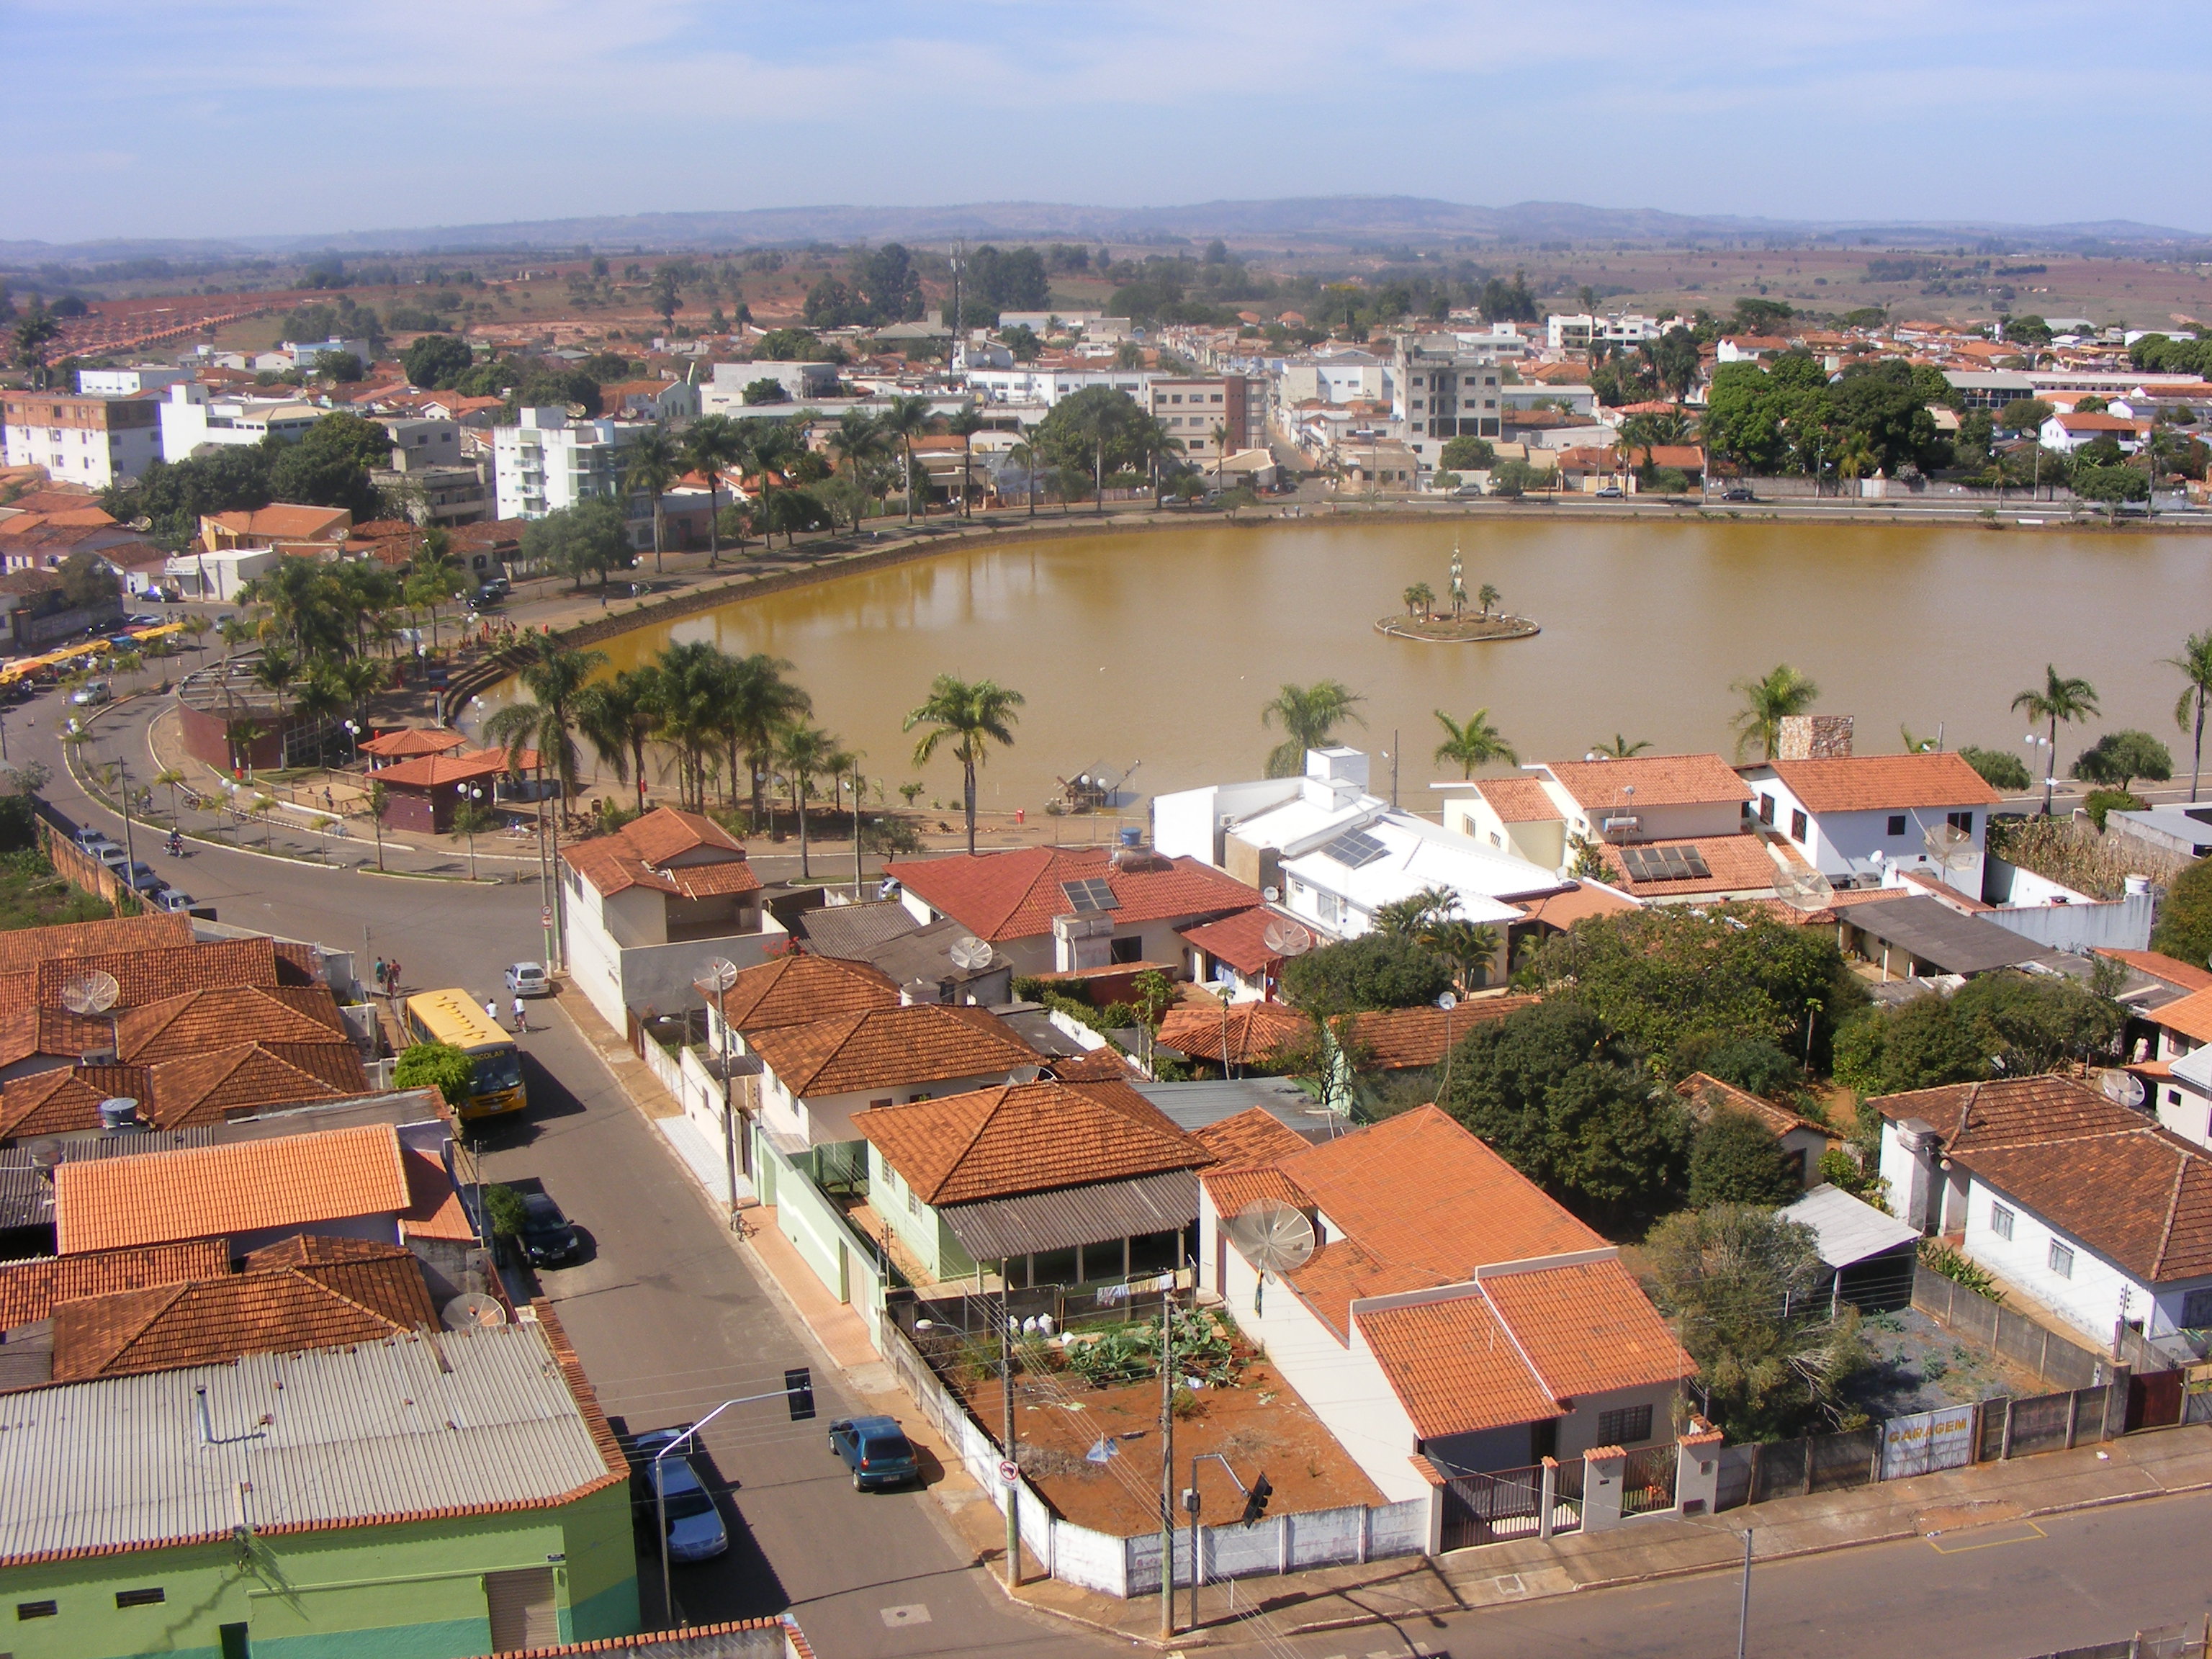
(2153, 1400)
(524, 1614)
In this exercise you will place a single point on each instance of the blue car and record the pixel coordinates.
(877, 1451)
(695, 1532)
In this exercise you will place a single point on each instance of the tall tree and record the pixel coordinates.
(805, 752)
(712, 443)
(1621, 748)
(2059, 698)
(757, 701)
(971, 715)
(1767, 702)
(903, 419)
(555, 676)
(2195, 663)
(1472, 742)
(859, 443)
(964, 424)
(769, 446)
(618, 717)
(653, 464)
(1309, 715)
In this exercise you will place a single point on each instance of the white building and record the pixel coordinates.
(800, 380)
(1032, 384)
(191, 418)
(1443, 391)
(301, 354)
(1857, 819)
(123, 382)
(1576, 332)
(550, 463)
(2066, 432)
(91, 438)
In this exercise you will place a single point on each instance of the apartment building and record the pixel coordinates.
(1443, 391)
(95, 439)
(1577, 333)
(123, 382)
(551, 462)
(1192, 410)
(190, 418)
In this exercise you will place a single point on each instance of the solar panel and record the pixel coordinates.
(1664, 864)
(1091, 893)
(1354, 848)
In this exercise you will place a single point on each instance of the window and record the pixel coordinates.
(1797, 826)
(1127, 949)
(1217, 397)
(140, 1598)
(2061, 1259)
(36, 1609)
(912, 1203)
(1629, 1426)
(1897, 824)
(1962, 822)
(1767, 809)
(2000, 1221)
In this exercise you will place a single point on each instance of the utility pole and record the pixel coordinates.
(1167, 1465)
(1006, 1388)
(1393, 768)
(1743, 1617)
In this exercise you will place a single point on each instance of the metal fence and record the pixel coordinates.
(1647, 1479)
(1480, 1508)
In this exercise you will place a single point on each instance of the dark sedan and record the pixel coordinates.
(548, 1238)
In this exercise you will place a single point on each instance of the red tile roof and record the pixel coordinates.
(1401, 1039)
(644, 851)
(410, 741)
(247, 1187)
(1706, 1095)
(66, 1098)
(1518, 800)
(1454, 1367)
(799, 988)
(1250, 1030)
(1879, 783)
(224, 1016)
(1738, 863)
(28, 1290)
(2191, 1016)
(1009, 895)
(433, 1206)
(436, 771)
(1658, 780)
(1026, 1138)
(1588, 1328)
(889, 1048)
(26, 947)
(2175, 972)
(1240, 940)
(1563, 909)
(1255, 1135)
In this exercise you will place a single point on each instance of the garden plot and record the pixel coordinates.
(1918, 1366)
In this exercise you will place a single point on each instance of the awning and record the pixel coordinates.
(1068, 1216)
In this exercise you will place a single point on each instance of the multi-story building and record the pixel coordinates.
(190, 418)
(139, 377)
(1193, 409)
(96, 439)
(551, 462)
(1443, 391)
(1578, 332)
(1033, 383)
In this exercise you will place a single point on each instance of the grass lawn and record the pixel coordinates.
(33, 895)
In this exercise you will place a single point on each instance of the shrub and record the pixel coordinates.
(1737, 1159)
(2184, 923)
(1375, 970)
(1939, 1258)
(1840, 1169)
(437, 1065)
(2101, 801)
(1997, 768)
(503, 1209)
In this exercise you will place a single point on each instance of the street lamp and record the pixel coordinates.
(2035, 741)
(353, 739)
(721, 973)
(469, 794)
(798, 1387)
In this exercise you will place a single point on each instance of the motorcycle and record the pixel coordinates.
(176, 845)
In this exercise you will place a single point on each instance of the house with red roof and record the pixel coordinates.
(1435, 1310)
(1056, 909)
(1857, 819)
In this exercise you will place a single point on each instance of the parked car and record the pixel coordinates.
(91, 840)
(877, 1451)
(1610, 493)
(142, 879)
(695, 1532)
(144, 621)
(548, 1238)
(92, 693)
(173, 900)
(529, 979)
(1737, 493)
(112, 855)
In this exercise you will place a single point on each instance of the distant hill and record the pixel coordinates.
(1292, 222)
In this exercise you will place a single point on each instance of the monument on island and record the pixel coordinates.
(1421, 620)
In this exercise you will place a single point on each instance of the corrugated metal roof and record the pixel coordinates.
(1067, 1216)
(1849, 1231)
(339, 1437)
(1194, 1106)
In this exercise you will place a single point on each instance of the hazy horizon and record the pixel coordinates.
(243, 117)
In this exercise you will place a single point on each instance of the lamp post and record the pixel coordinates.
(353, 739)
(798, 1387)
(469, 794)
(2036, 743)
(721, 973)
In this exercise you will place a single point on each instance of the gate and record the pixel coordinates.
(1567, 1498)
(1480, 1508)
(2154, 1400)
(1647, 1480)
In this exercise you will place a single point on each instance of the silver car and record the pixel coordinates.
(529, 979)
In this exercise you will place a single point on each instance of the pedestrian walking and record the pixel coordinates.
(392, 974)
(382, 972)
(491, 1009)
(521, 1016)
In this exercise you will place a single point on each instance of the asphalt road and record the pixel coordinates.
(668, 1316)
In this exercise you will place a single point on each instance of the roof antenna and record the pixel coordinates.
(207, 1425)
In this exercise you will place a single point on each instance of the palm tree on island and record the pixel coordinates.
(1487, 597)
(1309, 716)
(2059, 699)
(1419, 598)
(972, 715)
(1766, 703)
(1472, 742)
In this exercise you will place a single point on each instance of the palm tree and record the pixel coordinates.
(1474, 742)
(1468, 946)
(653, 463)
(755, 702)
(618, 717)
(1766, 703)
(713, 443)
(197, 625)
(554, 675)
(685, 704)
(235, 631)
(805, 751)
(768, 445)
(2195, 663)
(1156, 445)
(1220, 437)
(471, 820)
(1487, 597)
(903, 422)
(34, 332)
(1419, 598)
(1856, 458)
(973, 714)
(278, 670)
(964, 424)
(2059, 699)
(859, 443)
(1310, 716)
(1030, 459)
(173, 778)
(1620, 747)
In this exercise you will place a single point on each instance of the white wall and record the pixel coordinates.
(2090, 1298)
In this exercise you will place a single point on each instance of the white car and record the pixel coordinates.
(529, 979)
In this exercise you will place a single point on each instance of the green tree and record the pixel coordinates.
(2059, 698)
(469, 821)
(2119, 758)
(971, 715)
(711, 443)
(1309, 715)
(2000, 770)
(665, 296)
(2184, 921)
(653, 464)
(578, 541)
(1419, 600)
(618, 717)
(344, 366)
(1465, 454)
(2195, 663)
(1767, 702)
(1472, 742)
(2003, 1023)
(1487, 597)
(437, 1065)
(33, 331)
(436, 361)
(805, 752)
(903, 419)
(1743, 1288)
(1621, 748)
(544, 728)
(754, 700)
(1375, 971)
(1737, 1159)
(2025, 414)
(1568, 1103)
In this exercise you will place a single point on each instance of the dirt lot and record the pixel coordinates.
(1919, 1366)
(1260, 1424)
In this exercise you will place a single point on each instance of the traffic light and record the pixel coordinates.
(799, 1388)
(1255, 1501)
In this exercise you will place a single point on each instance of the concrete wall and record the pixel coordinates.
(2121, 924)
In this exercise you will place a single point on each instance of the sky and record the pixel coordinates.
(212, 118)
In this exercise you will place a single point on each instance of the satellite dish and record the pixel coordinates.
(1025, 1074)
(1285, 938)
(1274, 1237)
(1949, 846)
(92, 992)
(142, 524)
(2123, 1088)
(719, 975)
(472, 1310)
(970, 953)
(1447, 1001)
(1802, 889)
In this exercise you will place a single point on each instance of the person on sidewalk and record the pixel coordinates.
(382, 972)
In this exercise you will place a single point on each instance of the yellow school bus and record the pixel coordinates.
(455, 1017)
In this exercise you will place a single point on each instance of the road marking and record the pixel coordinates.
(913, 1614)
(1511, 1585)
(2029, 1536)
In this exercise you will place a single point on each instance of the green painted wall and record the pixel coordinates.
(922, 1232)
(401, 1592)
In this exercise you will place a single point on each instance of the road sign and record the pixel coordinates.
(545, 917)
(1009, 1471)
